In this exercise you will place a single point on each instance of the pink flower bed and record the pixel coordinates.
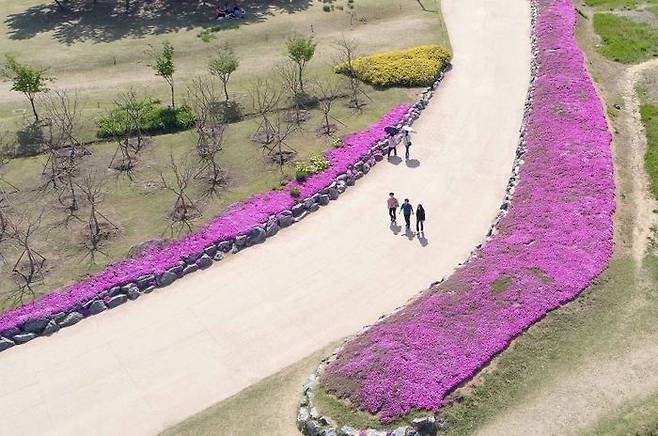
(556, 237)
(236, 220)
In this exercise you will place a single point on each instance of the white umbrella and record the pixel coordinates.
(408, 129)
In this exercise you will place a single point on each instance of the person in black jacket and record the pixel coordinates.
(420, 218)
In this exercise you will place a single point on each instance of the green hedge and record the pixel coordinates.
(154, 119)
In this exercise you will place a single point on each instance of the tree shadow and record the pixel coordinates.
(107, 21)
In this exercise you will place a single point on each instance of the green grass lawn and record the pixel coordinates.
(625, 40)
(636, 418)
(649, 114)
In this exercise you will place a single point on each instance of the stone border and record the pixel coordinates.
(309, 421)
(118, 295)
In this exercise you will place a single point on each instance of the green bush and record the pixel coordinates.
(154, 119)
(316, 163)
(412, 67)
(294, 193)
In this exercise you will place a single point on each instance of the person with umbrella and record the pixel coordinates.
(392, 145)
(406, 139)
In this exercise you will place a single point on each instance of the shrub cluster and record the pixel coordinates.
(412, 67)
(316, 163)
(153, 119)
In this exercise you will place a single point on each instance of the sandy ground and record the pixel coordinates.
(149, 364)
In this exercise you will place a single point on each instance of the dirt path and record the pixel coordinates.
(580, 397)
(147, 365)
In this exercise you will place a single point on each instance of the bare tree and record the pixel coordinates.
(29, 266)
(289, 76)
(63, 115)
(123, 159)
(346, 55)
(329, 90)
(264, 101)
(280, 151)
(99, 227)
(203, 98)
(135, 113)
(184, 210)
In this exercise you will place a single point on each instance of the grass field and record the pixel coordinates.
(626, 40)
(99, 53)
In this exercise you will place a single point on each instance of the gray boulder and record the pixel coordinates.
(24, 337)
(204, 262)
(6, 343)
(218, 256)
(116, 290)
(312, 428)
(59, 316)
(309, 202)
(234, 249)
(35, 325)
(400, 431)
(144, 282)
(341, 187)
(351, 181)
(241, 241)
(314, 207)
(50, 328)
(149, 289)
(192, 258)
(178, 269)
(297, 210)
(284, 220)
(301, 217)
(190, 269)
(10, 332)
(256, 236)
(333, 193)
(166, 278)
(71, 319)
(329, 432)
(271, 229)
(224, 246)
(96, 307)
(210, 251)
(302, 417)
(117, 300)
(348, 431)
(425, 426)
(323, 200)
(366, 168)
(133, 293)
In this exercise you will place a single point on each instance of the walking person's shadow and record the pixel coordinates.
(412, 163)
(409, 233)
(395, 160)
(395, 228)
(422, 239)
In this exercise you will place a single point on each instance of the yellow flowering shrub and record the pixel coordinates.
(412, 67)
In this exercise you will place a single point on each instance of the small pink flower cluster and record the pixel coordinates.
(237, 220)
(555, 238)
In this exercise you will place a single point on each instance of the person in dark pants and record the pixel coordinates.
(392, 146)
(420, 218)
(407, 143)
(407, 210)
(392, 204)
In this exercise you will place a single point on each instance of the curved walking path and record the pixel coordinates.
(151, 363)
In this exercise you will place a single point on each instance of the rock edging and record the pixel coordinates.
(118, 295)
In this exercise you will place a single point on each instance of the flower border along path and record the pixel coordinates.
(241, 225)
(553, 238)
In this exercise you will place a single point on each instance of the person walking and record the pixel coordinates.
(407, 210)
(392, 204)
(420, 218)
(392, 146)
(406, 138)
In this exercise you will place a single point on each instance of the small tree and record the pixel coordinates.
(163, 65)
(92, 188)
(63, 115)
(26, 79)
(329, 91)
(135, 111)
(346, 55)
(29, 266)
(300, 51)
(222, 66)
(264, 100)
(210, 132)
(184, 210)
(290, 81)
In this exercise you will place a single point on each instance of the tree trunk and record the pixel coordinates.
(34, 109)
(301, 84)
(173, 103)
(225, 90)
